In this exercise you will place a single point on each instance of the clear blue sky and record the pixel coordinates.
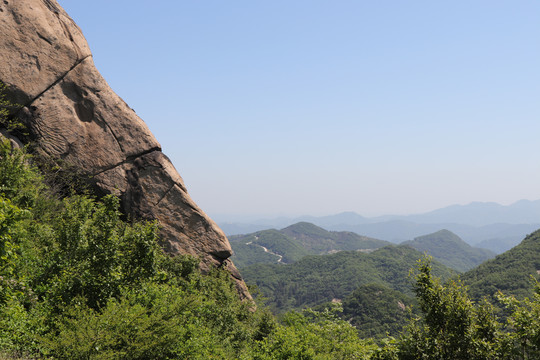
(318, 107)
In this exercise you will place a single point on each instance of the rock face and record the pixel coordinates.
(75, 117)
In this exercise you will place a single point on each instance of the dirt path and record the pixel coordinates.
(267, 251)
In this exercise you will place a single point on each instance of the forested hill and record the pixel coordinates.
(321, 241)
(317, 279)
(449, 249)
(294, 242)
(377, 311)
(509, 272)
(268, 246)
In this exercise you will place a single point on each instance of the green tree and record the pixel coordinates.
(6, 109)
(522, 340)
(452, 326)
(9, 216)
(377, 311)
(314, 335)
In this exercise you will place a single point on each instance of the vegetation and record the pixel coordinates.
(377, 311)
(509, 272)
(248, 254)
(7, 121)
(450, 250)
(78, 282)
(315, 335)
(318, 279)
(274, 241)
(295, 242)
(321, 241)
(455, 327)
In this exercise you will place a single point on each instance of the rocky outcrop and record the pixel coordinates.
(74, 116)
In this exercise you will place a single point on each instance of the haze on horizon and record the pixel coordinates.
(317, 107)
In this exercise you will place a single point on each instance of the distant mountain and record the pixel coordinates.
(232, 229)
(509, 272)
(398, 231)
(495, 237)
(482, 213)
(395, 231)
(500, 244)
(498, 227)
(348, 217)
(294, 242)
(450, 250)
(317, 279)
(237, 227)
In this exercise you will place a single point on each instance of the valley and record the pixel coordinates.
(305, 266)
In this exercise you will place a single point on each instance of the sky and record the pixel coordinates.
(311, 107)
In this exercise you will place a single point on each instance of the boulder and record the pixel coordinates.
(76, 119)
(40, 45)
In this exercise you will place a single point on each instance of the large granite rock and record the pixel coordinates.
(75, 117)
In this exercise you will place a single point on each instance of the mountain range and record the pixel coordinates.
(489, 225)
(294, 242)
(297, 241)
(375, 287)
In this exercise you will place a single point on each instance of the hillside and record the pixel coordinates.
(450, 250)
(294, 242)
(268, 246)
(509, 272)
(376, 310)
(314, 280)
(321, 241)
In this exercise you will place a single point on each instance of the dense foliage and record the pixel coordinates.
(377, 311)
(450, 250)
(6, 108)
(509, 272)
(318, 279)
(455, 327)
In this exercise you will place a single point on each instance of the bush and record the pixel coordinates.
(314, 335)
(78, 281)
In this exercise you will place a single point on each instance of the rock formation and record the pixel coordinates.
(75, 117)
